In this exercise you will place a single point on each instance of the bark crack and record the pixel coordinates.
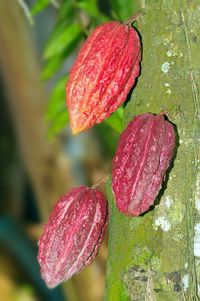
(149, 296)
(190, 207)
(190, 63)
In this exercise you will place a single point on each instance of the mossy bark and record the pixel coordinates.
(157, 256)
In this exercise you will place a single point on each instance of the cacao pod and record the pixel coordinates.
(72, 235)
(144, 153)
(103, 74)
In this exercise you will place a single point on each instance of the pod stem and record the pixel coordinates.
(166, 113)
(100, 181)
(133, 18)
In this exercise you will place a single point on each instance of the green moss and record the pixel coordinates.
(137, 247)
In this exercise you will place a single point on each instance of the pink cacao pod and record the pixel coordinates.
(144, 153)
(72, 235)
(103, 74)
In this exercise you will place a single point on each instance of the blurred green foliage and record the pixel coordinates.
(39, 6)
(75, 19)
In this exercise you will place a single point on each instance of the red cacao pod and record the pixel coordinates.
(103, 74)
(73, 234)
(143, 155)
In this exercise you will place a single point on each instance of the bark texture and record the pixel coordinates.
(156, 256)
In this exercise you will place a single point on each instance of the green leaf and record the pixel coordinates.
(124, 9)
(53, 64)
(61, 40)
(59, 123)
(39, 6)
(120, 112)
(89, 6)
(57, 103)
(57, 115)
(115, 120)
(66, 10)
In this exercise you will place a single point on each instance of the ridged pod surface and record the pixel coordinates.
(72, 235)
(144, 153)
(103, 74)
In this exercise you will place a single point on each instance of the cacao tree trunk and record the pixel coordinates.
(156, 256)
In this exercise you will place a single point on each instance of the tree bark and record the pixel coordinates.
(156, 256)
